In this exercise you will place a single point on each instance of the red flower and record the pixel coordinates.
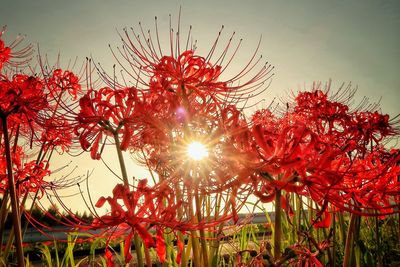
(370, 128)
(28, 175)
(4, 54)
(57, 132)
(183, 73)
(286, 148)
(23, 95)
(109, 255)
(61, 81)
(326, 115)
(305, 257)
(136, 211)
(139, 210)
(106, 112)
(186, 75)
(10, 56)
(320, 149)
(16, 157)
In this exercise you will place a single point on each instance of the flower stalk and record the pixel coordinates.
(202, 234)
(352, 236)
(278, 224)
(121, 160)
(13, 196)
(136, 239)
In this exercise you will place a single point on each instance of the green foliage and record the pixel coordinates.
(380, 241)
(378, 245)
(51, 254)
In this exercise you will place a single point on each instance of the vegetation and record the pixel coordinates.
(324, 164)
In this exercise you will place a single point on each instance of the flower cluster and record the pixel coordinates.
(325, 151)
(317, 148)
(32, 127)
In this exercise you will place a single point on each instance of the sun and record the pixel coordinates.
(197, 151)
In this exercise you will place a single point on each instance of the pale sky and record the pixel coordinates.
(306, 41)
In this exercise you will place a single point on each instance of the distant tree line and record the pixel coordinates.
(51, 217)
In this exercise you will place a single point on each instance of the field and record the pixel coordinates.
(312, 179)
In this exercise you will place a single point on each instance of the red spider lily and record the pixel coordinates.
(180, 246)
(136, 211)
(320, 110)
(4, 54)
(57, 132)
(55, 123)
(367, 184)
(286, 205)
(305, 255)
(63, 81)
(182, 72)
(22, 95)
(222, 131)
(10, 56)
(17, 161)
(28, 176)
(142, 208)
(109, 256)
(106, 112)
(321, 149)
(370, 128)
(354, 129)
(305, 258)
(286, 147)
(186, 75)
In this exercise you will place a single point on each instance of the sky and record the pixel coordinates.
(306, 41)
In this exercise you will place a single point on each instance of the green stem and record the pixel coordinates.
(3, 215)
(193, 234)
(202, 234)
(147, 257)
(136, 239)
(138, 248)
(184, 259)
(213, 261)
(377, 237)
(341, 228)
(121, 160)
(278, 225)
(351, 236)
(334, 240)
(13, 196)
(11, 236)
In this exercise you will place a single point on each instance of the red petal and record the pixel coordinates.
(94, 150)
(180, 246)
(259, 138)
(286, 206)
(160, 246)
(100, 202)
(144, 234)
(127, 250)
(126, 138)
(109, 256)
(325, 222)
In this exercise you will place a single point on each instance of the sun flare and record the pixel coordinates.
(197, 151)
